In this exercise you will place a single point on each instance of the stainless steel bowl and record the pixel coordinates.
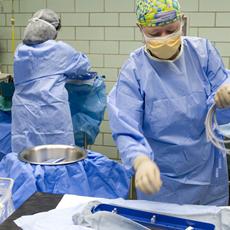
(52, 154)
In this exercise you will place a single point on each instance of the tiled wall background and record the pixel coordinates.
(105, 30)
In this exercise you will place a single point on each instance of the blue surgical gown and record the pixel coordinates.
(158, 108)
(40, 108)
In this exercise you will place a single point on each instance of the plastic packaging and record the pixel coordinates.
(6, 203)
(215, 133)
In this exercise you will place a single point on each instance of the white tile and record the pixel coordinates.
(129, 46)
(4, 68)
(189, 5)
(82, 46)
(6, 33)
(3, 46)
(223, 19)
(109, 86)
(96, 60)
(99, 139)
(75, 19)
(89, 33)
(201, 19)
(109, 73)
(193, 32)
(224, 48)
(6, 58)
(105, 128)
(104, 19)
(10, 69)
(119, 33)
(138, 34)
(215, 34)
(106, 116)
(226, 62)
(31, 5)
(2, 19)
(61, 6)
(9, 44)
(128, 19)
(66, 33)
(108, 140)
(6, 6)
(212, 5)
(115, 60)
(89, 5)
(119, 6)
(108, 151)
(20, 19)
(104, 47)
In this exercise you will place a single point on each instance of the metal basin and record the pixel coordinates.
(52, 154)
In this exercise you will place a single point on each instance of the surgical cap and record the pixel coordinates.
(157, 12)
(42, 26)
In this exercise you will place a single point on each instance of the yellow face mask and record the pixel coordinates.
(164, 47)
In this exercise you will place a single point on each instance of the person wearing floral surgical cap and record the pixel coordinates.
(158, 107)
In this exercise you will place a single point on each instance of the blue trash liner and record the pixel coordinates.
(7, 89)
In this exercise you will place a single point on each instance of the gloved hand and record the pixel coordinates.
(147, 177)
(222, 97)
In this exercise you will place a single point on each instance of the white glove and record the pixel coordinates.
(222, 97)
(147, 177)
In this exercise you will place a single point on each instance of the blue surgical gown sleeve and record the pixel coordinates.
(217, 76)
(215, 70)
(76, 63)
(125, 108)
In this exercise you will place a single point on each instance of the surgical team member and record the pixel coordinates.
(158, 107)
(40, 110)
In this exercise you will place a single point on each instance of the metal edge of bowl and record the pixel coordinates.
(21, 158)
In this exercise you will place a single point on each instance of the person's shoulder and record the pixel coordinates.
(66, 49)
(195, 42)
(137, 53)
(50, 44)
(20, 46)
(134, 57)
(64, 45)
(20, 51)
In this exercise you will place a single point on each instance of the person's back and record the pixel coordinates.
(47, 62)
(40, 111)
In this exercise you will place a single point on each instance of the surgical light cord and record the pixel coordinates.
(211, 125)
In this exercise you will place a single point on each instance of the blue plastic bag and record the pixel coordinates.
(87, 104)
(5, 133)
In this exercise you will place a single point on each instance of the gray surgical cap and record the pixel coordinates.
(42, 26)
